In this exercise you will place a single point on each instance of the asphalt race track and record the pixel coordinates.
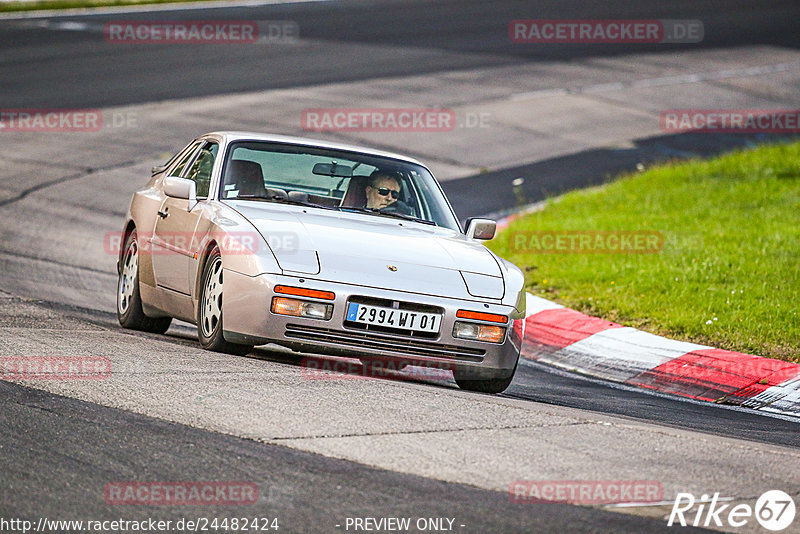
(90, 445)
(360, 41)
(323, 451)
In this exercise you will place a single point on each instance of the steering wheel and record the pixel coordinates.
(398, 207)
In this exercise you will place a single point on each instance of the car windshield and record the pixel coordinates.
(334, 179)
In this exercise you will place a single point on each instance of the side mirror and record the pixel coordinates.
(482, 229)
(182, 188)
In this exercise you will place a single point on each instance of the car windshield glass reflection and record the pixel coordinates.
(333, 179)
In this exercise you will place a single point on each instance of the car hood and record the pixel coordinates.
(369, 250)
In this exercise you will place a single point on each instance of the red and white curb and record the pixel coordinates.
(571, 340)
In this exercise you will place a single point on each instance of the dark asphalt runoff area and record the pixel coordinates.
(57, 453)
(62, 473)
(551, 177)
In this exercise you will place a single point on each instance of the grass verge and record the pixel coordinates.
(728, 274)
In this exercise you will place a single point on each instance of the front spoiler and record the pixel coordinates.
(248, 320)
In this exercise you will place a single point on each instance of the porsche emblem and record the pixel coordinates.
(391, 268)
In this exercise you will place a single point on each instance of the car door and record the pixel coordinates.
(176, 224)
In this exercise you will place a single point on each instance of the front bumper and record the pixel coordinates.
(248, 319)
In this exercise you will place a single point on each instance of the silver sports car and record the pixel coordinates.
(322, 248)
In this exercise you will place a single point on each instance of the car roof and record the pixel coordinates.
(230, 136)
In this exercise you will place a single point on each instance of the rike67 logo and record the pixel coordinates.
(774, 510)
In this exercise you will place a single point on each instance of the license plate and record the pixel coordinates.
(392, 318)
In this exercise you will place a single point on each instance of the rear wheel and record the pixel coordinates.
(209, 320)
(129, 302)
(469, 381)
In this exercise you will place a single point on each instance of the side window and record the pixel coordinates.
(178, 170)
(200, 171)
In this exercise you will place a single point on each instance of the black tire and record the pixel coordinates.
(466, 380)
(129, 302)
(209, 310)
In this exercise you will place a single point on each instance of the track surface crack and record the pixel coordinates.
(437, 431)
(64, 179)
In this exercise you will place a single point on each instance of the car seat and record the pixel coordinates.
(246, 176)
(356, 195)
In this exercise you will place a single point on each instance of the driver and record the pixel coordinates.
(383, 189)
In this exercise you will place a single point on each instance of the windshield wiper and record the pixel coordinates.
(406, 217)
(283, 200)
(377, 211)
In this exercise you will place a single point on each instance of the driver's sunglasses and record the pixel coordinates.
(383, 191)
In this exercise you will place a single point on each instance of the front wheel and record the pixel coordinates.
(129, 301)
(209, 320)
(468, 380)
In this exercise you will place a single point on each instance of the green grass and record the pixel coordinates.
(729, 271)
(69, 4)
